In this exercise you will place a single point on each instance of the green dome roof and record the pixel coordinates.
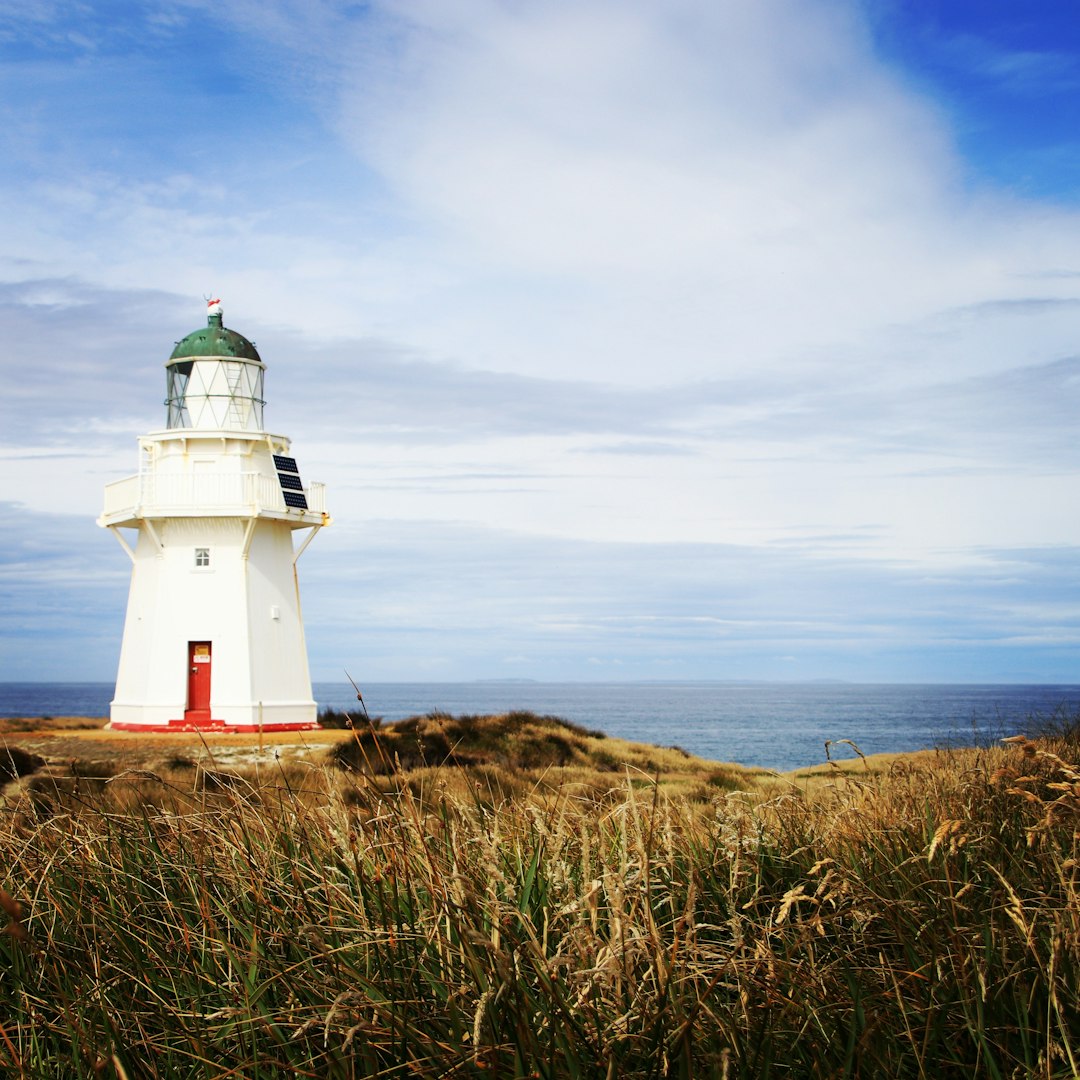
(215, 340)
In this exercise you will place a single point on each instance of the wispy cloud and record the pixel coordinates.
(657, 335)
(1033, 73)
(62, 592)
(714, 610)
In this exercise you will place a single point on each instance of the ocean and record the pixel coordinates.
(772, 725)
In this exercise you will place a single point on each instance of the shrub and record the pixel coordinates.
(16, 762)
(343, 720)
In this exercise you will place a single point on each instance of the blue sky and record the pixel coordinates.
(633, 340)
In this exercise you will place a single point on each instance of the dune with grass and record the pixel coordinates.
(518, 897)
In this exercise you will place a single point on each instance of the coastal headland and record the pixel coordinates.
(63, 739)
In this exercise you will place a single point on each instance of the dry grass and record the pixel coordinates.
(290, 917)
(36, 724)
(513, 752)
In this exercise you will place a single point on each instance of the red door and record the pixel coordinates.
(198, 687)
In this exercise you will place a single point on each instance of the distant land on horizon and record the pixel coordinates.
(701, 681)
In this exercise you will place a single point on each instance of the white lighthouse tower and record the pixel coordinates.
(213, 638)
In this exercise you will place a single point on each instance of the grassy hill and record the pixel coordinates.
(505, 756)
(518, 897)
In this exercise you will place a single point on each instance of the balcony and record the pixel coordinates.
(246, 494)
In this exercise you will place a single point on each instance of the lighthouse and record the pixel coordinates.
(213, 636)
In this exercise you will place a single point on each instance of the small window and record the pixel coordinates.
(202, 557)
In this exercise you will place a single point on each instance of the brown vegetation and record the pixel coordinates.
(522, 908)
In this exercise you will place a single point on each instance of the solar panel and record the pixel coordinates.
(296, 499)
(288, 481)
(285, 464)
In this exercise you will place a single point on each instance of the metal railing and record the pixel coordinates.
(187, 493)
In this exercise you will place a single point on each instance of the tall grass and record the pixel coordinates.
(330, 923)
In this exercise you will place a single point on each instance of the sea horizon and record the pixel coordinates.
(727, 680)
(773, 724)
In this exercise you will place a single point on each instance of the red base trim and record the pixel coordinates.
(179, 726)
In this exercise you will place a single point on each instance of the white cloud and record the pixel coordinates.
(593, 272)
(653, 193)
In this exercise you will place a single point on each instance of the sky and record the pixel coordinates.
(704, 339)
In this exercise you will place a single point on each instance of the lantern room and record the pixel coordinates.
(214, 379)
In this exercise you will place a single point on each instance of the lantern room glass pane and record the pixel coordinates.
(176, 383)
(215, 393)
